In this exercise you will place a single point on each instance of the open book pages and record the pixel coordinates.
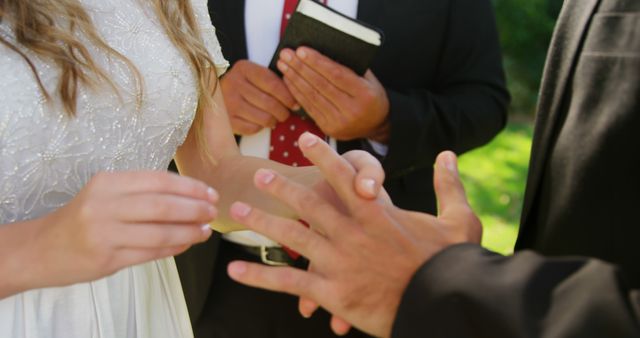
(323, 14)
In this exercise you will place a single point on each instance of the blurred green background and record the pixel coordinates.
(525, 28)
(495, 175)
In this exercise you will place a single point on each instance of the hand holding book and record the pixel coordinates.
(344, 105)
(328, 76)
(347, 41)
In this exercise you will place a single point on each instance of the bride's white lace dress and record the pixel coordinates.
(47, 157)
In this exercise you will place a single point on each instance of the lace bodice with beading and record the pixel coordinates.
(46, 157)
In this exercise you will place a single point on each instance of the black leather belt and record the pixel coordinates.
(268, 255)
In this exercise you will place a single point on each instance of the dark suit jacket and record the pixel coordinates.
(441, 66)
(577, 269)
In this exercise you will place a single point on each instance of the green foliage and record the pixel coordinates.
(525, 28)
(494, 177)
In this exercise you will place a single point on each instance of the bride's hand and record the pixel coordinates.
(121, 219)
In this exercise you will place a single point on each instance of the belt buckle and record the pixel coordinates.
(264, 256)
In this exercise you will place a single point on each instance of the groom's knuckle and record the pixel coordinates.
(299, 283)
(280, 186)
(309, 242)
(297, 235)
(274, 228)
(345, 299)
(306, 200)
(287, 279)
(337, 167)
(466, 211)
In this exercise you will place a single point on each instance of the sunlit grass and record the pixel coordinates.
(494, 177)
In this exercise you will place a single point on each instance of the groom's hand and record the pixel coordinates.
(365, 255)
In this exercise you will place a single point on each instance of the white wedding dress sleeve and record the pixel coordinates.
(46, 157)
(209, 37)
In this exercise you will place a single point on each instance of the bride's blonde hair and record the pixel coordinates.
(37, 27)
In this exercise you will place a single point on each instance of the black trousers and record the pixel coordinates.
(237, 311)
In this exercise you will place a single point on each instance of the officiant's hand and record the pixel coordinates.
(255, 98)
(368, 254)
(344, 105)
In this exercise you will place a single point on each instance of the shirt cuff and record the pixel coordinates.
(379, 148)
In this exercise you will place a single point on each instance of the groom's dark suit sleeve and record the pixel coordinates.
(467, 291)
(576, 270)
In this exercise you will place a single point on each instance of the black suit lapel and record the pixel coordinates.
(228, 17)
(561, 60)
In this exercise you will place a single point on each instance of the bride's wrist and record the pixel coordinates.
(19, 259)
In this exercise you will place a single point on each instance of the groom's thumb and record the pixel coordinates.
(449, 190)
(452, 201)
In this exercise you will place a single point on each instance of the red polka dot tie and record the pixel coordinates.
(284, 137)
(284, 140)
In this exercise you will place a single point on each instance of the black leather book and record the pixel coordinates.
(347, 41)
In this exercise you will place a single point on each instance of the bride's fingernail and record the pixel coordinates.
(213, 194)
(206, 229)
(265, 176)
(308, 140)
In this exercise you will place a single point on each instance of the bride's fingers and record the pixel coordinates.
(369, 176)
(163, 208)
(161, 182)
(134, 256)
(156, 236)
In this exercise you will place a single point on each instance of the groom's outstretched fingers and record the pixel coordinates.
(289, 232)
(335, 169)
(281, 279)
(307, 204)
